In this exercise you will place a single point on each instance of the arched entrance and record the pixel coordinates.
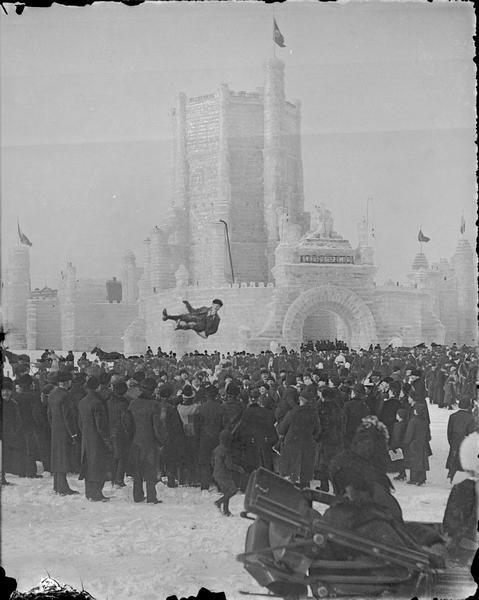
(354, 314)
(325, 325)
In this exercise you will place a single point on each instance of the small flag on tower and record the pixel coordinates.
(22, 237)
(278, 36)
(463, 225)
(421, 237)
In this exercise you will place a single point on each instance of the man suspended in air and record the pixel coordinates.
(203, 320)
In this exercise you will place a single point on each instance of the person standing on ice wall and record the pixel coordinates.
(204, 321)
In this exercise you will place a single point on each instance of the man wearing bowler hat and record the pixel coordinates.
(204, 320)
(64, 432)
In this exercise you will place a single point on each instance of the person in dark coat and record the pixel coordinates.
(418, 385)
(43, 434)
(93, 423)
(367, 458)
(390, 406)
(76, 393)
(27, 402)
(416, 444)
(289, 398)
(188, 411)
(450, 389)
(120, 432)
(64, 433)
(173, 449)
(438, 387)
(354, 411)
(396, 443)
(460, 425)
(210, 425)
(223, 469)
(300, 430)
(204, 320)
(331, 441)
(13, 441)
(257, 436)
(232, 412)
(149, 434)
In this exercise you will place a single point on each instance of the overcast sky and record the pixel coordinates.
(388, 111)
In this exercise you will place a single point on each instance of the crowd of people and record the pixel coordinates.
(325, 413)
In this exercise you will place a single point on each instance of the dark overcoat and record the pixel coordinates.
(289, 400)
(388, 413)
(354, 412)
(43, 433)
(120, 425)
(149, 433)
(63, 428)
(450, 390)
(173, 448)
(28, 401)
(13, 439)
(300, 428)
(331, 441)
(437, 392)
(95, 442)
(460, 424)
(257, 436)
(210, 425)
(416, 444)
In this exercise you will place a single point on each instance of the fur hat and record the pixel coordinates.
(416, 373)
(371, 421)
(139, 376)
(217, 301)
(48, 388)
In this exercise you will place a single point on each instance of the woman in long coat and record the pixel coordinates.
(416, 446)
(300, 430)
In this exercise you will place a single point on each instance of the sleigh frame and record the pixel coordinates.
(288, 570)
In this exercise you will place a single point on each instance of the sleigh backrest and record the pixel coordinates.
(277, 500)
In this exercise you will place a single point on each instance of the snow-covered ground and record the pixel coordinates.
(121, 550)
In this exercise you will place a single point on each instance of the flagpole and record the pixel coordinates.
(274, 48)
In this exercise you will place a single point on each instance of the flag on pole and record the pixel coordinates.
(421, 237)
(278, 36)
(22, 237)
(463, 225)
